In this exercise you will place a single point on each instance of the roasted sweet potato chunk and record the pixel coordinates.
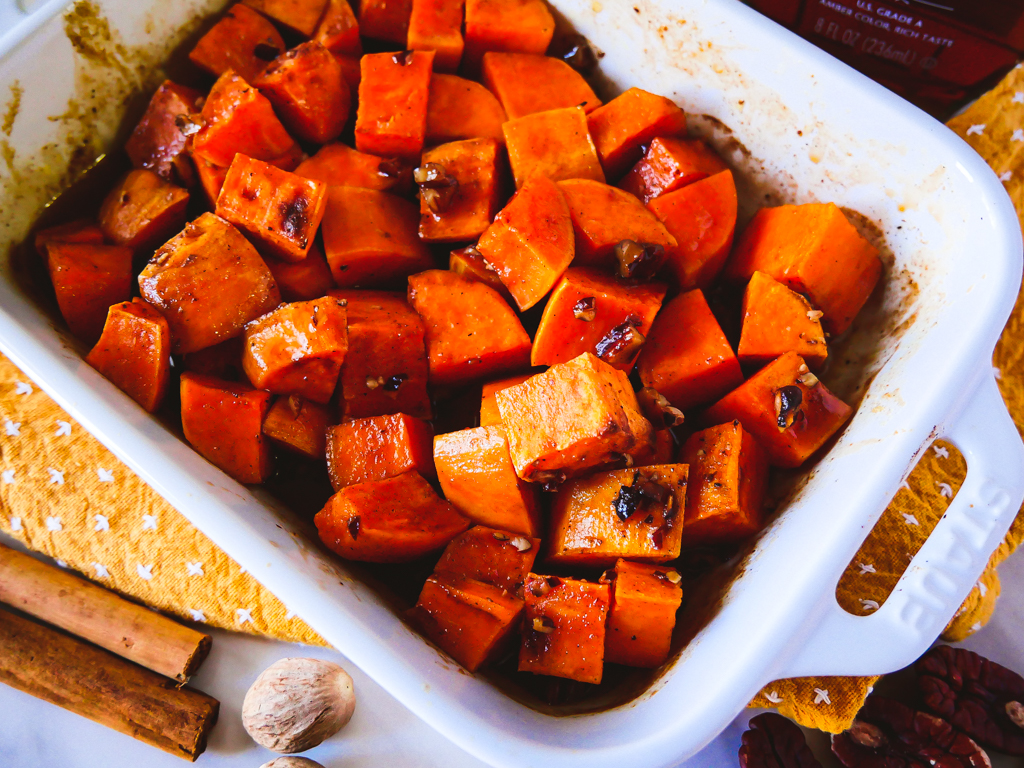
(299, 425)
(464, 214)
(670, 164)
(436, 25)
(788, 411)
(564, 628)
(590, 311)
(302, 280)
(524, 26)
(392, 117)
(223, 420)
(471, 332)
(777, 320)
(242, 41)
(635, 513)
(277, 209)
(211, 179)
(85, 231)
(388, 521)
(222, 361)
(645, 599)
(469, 263)
(500, 558)
(729, 477)
(574, 416)
(297, 349)
(134, 352)
(490, 416)
(87, 279)
(386, 20)
(814, 250)
(477, 476)
(686, 356)
(208, 281)
(338, 30)
(338, 165)
(142, 211)
(527, 82)
(531, 241)
(379, 447)
(300, 16)
(555, 144)
(661, 450)
(157, 143)
(462, 109)
(622, 126)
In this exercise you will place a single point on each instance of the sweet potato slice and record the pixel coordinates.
(527, 82)
(702, 219)
(370, 238)
(462, 109)
(242, 41)
(814, 250)
(496, 557)
(297, 349)
(223, 421)
(636, 513)
(531, 241)
(379, 447)
(471, 621)
(211, 179)
(777, 320)
(386, 20)
(339, 165)
(308, 91)
(338, 30)
(788, 411)
(222, 361)
(603, 216)
(473, 164)
(476, 475)
(622, 126)
(134, 352)
(142, 211)
(686, 356)
(276, 209)
(436, 25)
(670, 164)
(490, 416)
(87, 280)
(85, 231)
(302, 280)
(555, 144)
(300, 16)
(471, 332)
(729, 478)
(564, 628)
(589, 311)
(388, 521)
(645, 599)
(299, 425)
(385, 368)
(392, 117)
(524, 26)
(208, 281)
(157, 143)
(574, 416)
(469, 263)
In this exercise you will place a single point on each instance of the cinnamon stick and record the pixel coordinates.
(91, 682)
(100, 616)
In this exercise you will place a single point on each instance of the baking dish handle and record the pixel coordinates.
(948, 565)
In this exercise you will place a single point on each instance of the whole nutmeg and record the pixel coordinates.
(297, 703)
(292, 762)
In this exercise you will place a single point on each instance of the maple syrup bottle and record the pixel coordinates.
(935, 53)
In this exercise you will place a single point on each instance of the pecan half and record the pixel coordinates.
(775, 742)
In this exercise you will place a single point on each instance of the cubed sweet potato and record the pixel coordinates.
(471, 621)
(474, 165)
(574, 416)
(391, 120)
(157, 143)
(645, 599)
(211, 179)
(308, 91)
(629, 121)
(686, 356)
(661, 449)
(242, 41)
(379, 447)
(297, 349)
(299, 425)
(370, 238)
(142, 211)
(351, 70)
(564, 628)
(388, 521)
(386, 20)
(702, 219)
(528, 82)
(87, 280)
(338, 165)
(462, 109)
(590, 311)
(436, 25)
(496, 557)
(338, 30)
(729, 478)
(603, 216)
(636, 513)
(555, 144)
(670, 164)
(814, 250)
(302, 280)
(223, 421)
(471, 332)
(788, 411)
(208, 281)
(134, 352)
(531, 241)
(523, 26)
(385, 368)
(222, 361)
(85, 231)
(476, 475)
(278, 210)
(469, 263)
(777, 320)
(299, 16)
(490, 416)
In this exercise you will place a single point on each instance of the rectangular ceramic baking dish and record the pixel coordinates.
(797, 126)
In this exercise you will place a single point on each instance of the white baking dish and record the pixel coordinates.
(802, 125)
